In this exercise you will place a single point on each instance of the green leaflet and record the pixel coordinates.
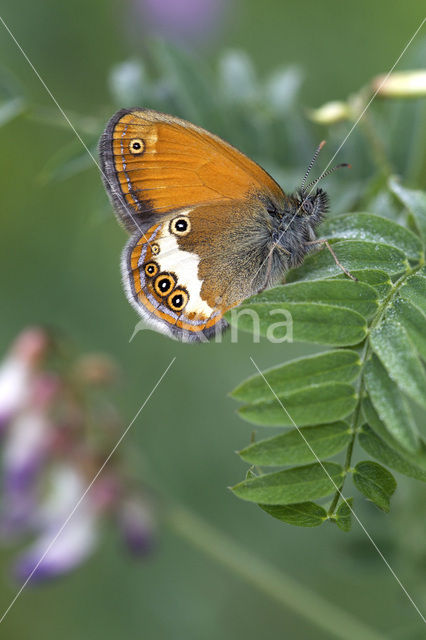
(354, 255)
(379, 280)
(291, 485)
(375, 482)
(372, 228)
(343, 517)
(341, 293)
(413, 320)
(415, 201)
(296, 447)
(301, 322)
(390, 341)
(302, 514)
(414, 291)
(390, 405)
(318, 404)
(412, 465)
(372, 418)
(340, 365)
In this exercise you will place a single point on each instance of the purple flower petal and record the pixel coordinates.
(52, 555)
(183, 19)
(137, 525)
(73, 545)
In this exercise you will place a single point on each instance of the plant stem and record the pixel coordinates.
(333, 620)
(364, 357)
(354, 426)
(378, 151)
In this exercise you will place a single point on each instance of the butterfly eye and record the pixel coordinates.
(164, 283)
(151, 269)
(177, 300)
(307, 206)
(136, 146)
(180, 226)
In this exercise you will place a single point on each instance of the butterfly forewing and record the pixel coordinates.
(154, 164)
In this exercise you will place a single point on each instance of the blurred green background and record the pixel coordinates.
(59, 265)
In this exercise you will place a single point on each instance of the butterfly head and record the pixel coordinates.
(312, 204)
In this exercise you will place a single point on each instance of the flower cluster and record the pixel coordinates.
(58, 425)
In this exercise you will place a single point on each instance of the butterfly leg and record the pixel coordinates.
(268, 271)
(336, 259)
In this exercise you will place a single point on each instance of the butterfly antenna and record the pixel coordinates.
(311, 164)
(327, 173)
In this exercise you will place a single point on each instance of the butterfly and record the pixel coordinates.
(208, 226)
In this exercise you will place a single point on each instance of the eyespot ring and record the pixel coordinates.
(164, 283)
(155, 249)
(136, 146)
(151, 269)
(177, 299)
(180, 226)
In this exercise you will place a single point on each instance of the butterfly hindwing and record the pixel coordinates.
(162, 282)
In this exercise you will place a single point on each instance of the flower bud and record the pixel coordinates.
(330, 113)
(401, 84)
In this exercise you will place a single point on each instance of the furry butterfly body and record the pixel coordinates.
(209, 227)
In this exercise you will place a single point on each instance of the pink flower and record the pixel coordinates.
(16, 372)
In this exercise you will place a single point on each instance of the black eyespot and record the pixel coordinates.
(180, 226)
(136, 146)
(178, 299)
(151, 269)
(164, 283)
(155, 249)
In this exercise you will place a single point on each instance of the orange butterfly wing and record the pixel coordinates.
(153, 163)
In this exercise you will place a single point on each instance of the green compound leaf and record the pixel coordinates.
(354, 255)
(343, 516)
(301, 322)
(319, 404)
(302, 514)
(340, 365)
(372, 228)
(375, 482)
(391, 343)
(291, 486)
(390, 405)
(296, 447)
(415, 201)
(412, 465)
(379, 280)
(340, 293)
(414, 291)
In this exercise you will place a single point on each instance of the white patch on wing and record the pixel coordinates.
(184, 265)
